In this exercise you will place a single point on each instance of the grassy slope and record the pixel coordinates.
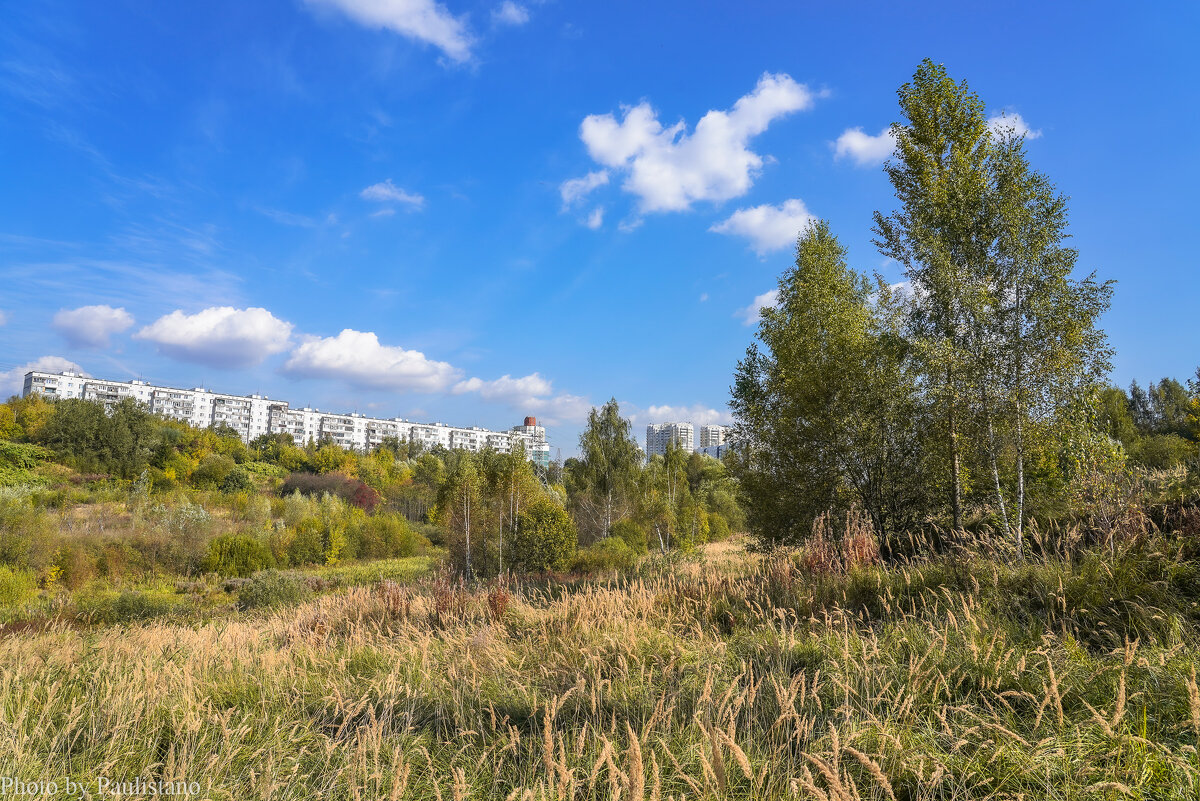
(732, 678)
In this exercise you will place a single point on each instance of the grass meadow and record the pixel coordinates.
(726, 675)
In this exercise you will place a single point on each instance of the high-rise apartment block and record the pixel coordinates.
(713, 435)
(254, 415)
(660, 435)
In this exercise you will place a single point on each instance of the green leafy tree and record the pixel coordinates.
(823, 407)
(606, 470)
(545, 538)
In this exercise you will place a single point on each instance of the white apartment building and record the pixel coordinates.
(712, 435)
(533, 436)
(659, 435)
(254, 415)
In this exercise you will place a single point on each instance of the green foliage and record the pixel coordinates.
(826, 409)
(85, 436)
(237, 480)
(237, 555)
(632, 534)
(387, 536)
(601, 481)
(545, 538)
(270, 589)
(213, 471)
(606, 555)
(16, 586)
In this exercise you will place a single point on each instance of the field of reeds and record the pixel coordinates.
(731, 675)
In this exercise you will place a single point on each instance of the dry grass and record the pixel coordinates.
(740, 677)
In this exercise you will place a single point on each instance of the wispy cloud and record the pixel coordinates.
(422, 20)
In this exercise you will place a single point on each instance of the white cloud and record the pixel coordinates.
(388, 192)
(768, 227)
(703, 297)
(221, 336)
(576, 189)
(423, 20)
(866, 150)
(358, 358)
(668, 169)
(1004, 122)
(11, 382)
(91, 326)
(507, 388)
(510, 13)
(751, 314)
(595, 219)
(531, 394)
(696, 414)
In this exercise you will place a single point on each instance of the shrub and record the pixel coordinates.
(386, 536)
(718, 527)
(270, 588)
(15, 586)
(605, 555)
(632, 534)
(545, 538)
(341, 486)
(237, 480)
(237, 555)
(213, 471)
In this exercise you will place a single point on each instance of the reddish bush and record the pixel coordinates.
(348, 489)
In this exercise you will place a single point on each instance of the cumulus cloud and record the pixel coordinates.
(1004, 123)
(423, 20)
(359, 359)
(668, 169)
(13, 381)
(506, 388)
(768, 227)
(531, 394)
(91, 326)
(697, 414)
(752, 313)
(220, 336)
(575, 189)
(864, 149)
(388, 192)
(510, 13)
(595, 219)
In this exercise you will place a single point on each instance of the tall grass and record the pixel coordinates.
(740, 676)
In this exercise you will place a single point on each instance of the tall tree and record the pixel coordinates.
(822, 410)
(1037, 325)
(608, 465)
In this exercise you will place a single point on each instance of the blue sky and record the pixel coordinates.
(473, 211)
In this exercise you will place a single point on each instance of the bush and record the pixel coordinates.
(545, 538)
(213, 471)
(237, 555)
(718, 527)
(608, 554)
(237, 480)
(15, 586)
(632, 534)
(270, 588)
(386, 536)
(341, 486)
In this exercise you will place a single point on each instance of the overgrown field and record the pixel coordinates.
(734, 676)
